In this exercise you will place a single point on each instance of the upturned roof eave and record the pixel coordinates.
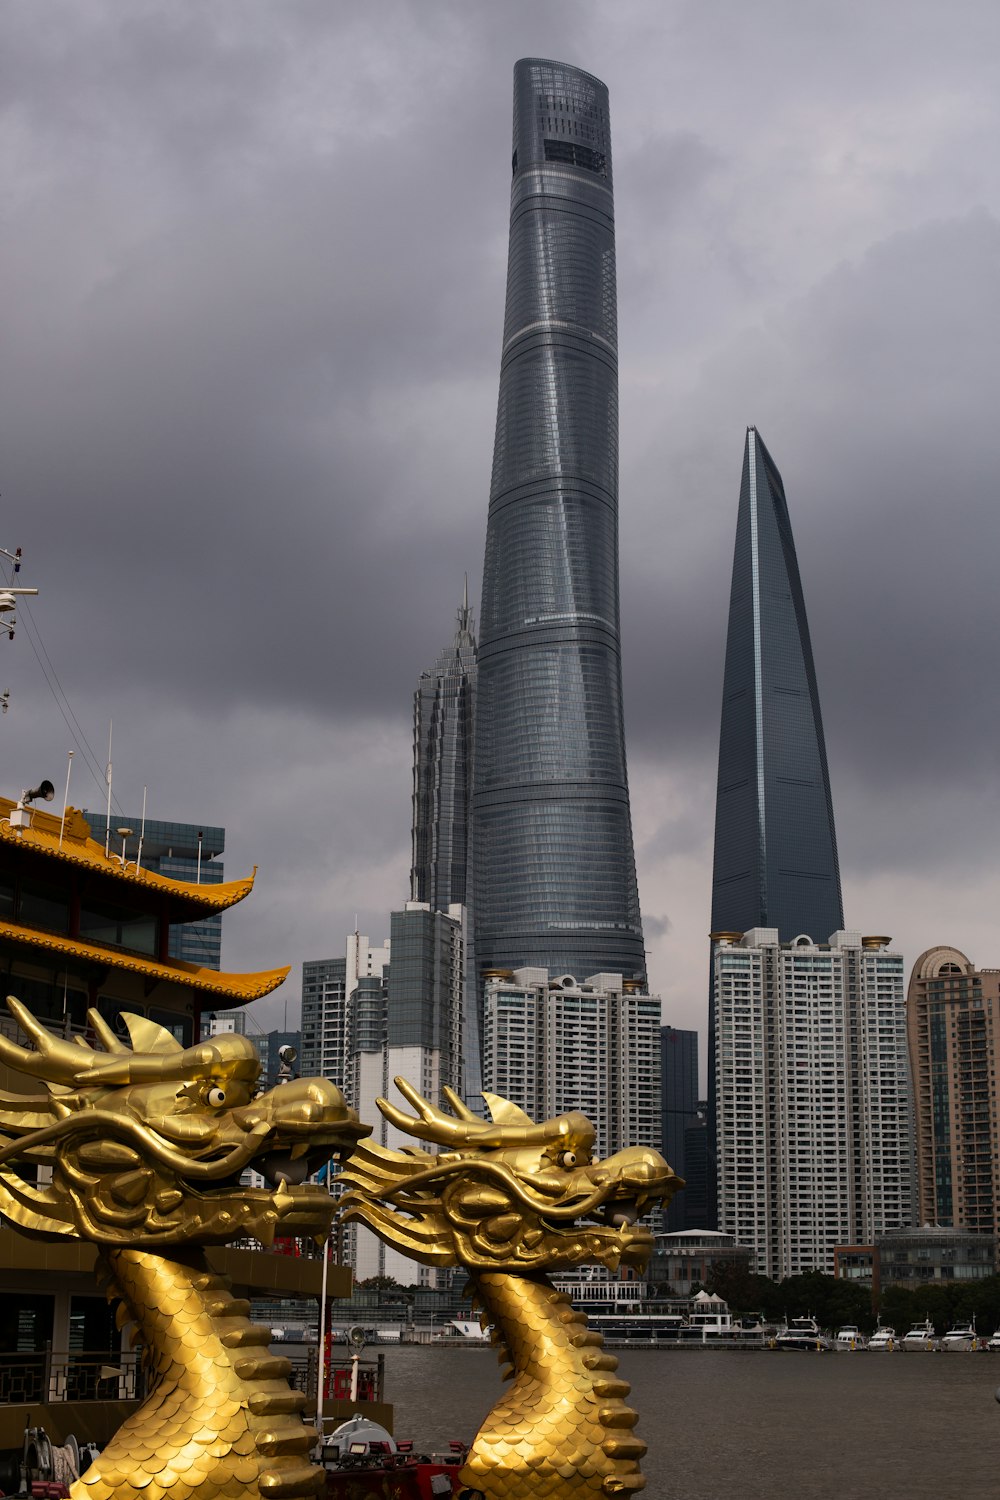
(236, 989)
(42, 838)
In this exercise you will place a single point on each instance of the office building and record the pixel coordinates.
(953, 1028)
(182, 851)
(813, 1095)
(442, 770)
(775, 846)
(935, 1253)
(552, 1044)
(554, 872)
(679, 1112)
(440, 875)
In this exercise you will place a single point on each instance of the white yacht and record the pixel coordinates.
(994, 1342)
(921, 1336)
(883, 1340)
(850, 1338)
(961, 1337)
(803, 1334)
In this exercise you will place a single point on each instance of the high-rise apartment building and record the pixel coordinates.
(184, 851)
(953, 1026)
(814, 1140)
(552, 1044)
(554, 871)
(324, 1037)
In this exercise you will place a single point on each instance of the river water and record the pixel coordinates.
(753, 1424)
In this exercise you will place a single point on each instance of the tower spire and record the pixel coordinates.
(465, 634)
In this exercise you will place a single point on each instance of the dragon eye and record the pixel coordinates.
(567, 1158)
(216, 1097)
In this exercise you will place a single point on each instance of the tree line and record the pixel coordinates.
(834, 1303)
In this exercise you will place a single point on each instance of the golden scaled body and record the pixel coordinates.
(510, 1200)
(141, 1150)
(221, 1422)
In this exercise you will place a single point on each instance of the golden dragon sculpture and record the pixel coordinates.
(509, 1201)
(139, 1150)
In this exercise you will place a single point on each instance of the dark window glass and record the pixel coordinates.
(118, 927)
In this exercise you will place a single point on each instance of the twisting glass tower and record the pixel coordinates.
(775, 846)
(555, 879)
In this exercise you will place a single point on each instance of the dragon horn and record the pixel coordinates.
(461, 1109)
(103, 1032)
(444, 1130)
(54, 1060)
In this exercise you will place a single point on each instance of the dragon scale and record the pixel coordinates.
(141, 1150)
(510, 1200)
(580, 1430)
(220, 1421)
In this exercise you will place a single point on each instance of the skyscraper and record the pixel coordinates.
(442, 771)
(679, 1111)
(554, 877)
(775, 846)
(441, 871)
(953, 1022)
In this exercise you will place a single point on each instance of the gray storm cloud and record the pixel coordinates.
(254, 271)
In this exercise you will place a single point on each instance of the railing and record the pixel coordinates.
(46, 1375)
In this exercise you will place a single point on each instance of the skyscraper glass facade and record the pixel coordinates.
(442, 771)
(775, 846)
(554, 881)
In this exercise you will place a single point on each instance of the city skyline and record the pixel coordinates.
(252, 337)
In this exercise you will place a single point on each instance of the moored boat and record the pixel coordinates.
(921, 1336)
(883, 1340)
(803, 1334)
(850, 1339)
(994, 1342)
(960, 1338)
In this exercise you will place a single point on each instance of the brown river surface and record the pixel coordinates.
(755, 1424)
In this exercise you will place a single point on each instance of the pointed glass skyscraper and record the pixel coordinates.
(555, 882)
(775, 846)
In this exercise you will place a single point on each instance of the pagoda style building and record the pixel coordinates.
(81, 929)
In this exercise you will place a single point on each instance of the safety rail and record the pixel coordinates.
(48, 1375)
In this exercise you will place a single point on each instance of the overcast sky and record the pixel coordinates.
(253, 283)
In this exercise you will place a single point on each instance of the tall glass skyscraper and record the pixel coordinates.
(776, 861)
(442, 771)
(775, 846)
(555, 882)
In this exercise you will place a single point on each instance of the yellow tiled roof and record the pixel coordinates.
(79, 849)
(236, 988)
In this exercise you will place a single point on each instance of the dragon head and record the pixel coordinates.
(507, 1196)
(145, 1145)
